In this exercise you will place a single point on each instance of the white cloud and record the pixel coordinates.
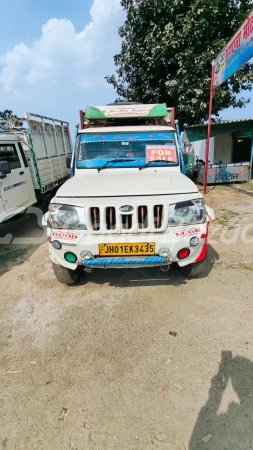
(62, 59)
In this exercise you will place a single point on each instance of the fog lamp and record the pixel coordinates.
(57, 245)
(164, 252)
(194, 241)
(86, 255)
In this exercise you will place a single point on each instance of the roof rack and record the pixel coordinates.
(126, 113)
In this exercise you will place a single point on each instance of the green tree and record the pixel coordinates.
(167, 50)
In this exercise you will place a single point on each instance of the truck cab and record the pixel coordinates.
(32, 161)
(128, 204)
(16, 185)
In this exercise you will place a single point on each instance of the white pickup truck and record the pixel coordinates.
(32, 161)
(128, 205)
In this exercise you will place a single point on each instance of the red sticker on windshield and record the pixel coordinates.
(161, 152)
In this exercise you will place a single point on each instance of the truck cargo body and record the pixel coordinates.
(32, 162)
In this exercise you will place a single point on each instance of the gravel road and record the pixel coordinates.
(103, 350)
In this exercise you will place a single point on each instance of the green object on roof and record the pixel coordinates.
(118, 111)
(199, 132)
(190, 166)
(92, 112)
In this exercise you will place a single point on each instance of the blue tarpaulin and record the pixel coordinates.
(114, 137)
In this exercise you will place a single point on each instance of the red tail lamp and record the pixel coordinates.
(182, 254)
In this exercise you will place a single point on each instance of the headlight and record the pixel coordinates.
(187, 213)
(66, 217)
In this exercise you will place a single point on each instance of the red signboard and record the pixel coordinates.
(161, 152)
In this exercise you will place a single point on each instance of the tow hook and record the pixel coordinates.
(165, 268)
(86, 269)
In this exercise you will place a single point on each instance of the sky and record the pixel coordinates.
(55, 54)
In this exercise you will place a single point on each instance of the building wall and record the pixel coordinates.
(200, 150)
(223, 148)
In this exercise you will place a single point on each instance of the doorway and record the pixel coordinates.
(241, 148)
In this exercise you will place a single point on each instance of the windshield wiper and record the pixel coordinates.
(153, 162)
(114, 161)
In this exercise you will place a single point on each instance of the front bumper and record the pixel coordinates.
(174, 240)
(131, 262)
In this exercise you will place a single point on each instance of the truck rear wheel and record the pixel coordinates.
(194, 270)
(67, 276)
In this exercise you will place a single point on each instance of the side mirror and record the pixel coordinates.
(210, 213)
(44, 219)
(186, 159)
(4, 168)
(68, 160)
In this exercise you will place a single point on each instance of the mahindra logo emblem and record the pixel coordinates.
(126, 208)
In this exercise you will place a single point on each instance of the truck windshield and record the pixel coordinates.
(95, 150)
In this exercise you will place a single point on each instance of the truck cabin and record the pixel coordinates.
(126, 136)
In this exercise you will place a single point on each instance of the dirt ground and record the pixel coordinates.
(103, 349)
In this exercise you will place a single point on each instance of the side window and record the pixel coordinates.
(8, 152)
(22, 154)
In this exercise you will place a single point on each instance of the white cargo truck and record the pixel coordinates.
(32, 161)
(128, 204)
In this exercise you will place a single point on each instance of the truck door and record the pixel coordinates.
(16, 187)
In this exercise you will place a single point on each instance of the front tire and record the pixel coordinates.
(194, 270)
(67, 276)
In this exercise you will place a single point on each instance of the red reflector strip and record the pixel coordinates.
(203, 252)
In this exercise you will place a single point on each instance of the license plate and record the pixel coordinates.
(142, 248)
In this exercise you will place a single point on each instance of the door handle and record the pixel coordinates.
(21, 173)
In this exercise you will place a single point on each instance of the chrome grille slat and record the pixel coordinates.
(143, 217)
(127, 221)
(110, 218)
(149, 218)
(95, 218)
(158, 212)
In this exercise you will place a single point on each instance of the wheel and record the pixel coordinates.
(67, 276)
(194, 270)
